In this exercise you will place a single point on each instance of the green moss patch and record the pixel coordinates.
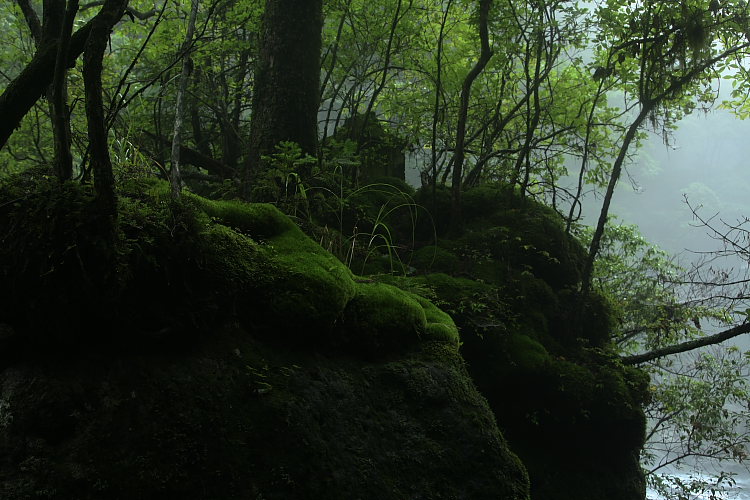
(385, 318)
(191, 263)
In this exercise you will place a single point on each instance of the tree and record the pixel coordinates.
(101, 165)
(463, 110)
(26, 89)
(287, 86)
(175, 177)
(662, 53)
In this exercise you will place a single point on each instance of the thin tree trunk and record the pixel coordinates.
(532, 120)
(458, 156)
(174, 176)
(60, 115)
(585, 155)
(32, 20)
(384, 77)
(613, 178)
(101, 165)
(438, 94)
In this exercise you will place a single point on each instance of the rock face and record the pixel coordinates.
(220, 353)
(234, 418)
(538, 353)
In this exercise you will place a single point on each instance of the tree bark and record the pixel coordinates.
(175, 177)
(463, 111)
(60, 113)
(687, 346)
(438, 95)
(101, 165)
(287, 86)
(32, 20)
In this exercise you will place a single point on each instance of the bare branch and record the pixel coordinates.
(687, 346)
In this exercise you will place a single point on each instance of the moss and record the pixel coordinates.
(431, 258)
(386, 318)
(451, 289)
(239, 418)
(439, 325)
(525, 353)
(260, 220)
(232, 256)
(194, 261)
(313, 287)
(482, 200)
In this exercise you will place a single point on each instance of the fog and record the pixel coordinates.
(706, 160)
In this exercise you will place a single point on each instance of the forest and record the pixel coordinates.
(336, 249)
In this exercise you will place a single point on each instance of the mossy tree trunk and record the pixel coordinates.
(287, 86)
(59, 95)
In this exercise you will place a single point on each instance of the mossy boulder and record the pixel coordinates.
(188, 263)
(218, 352)
(235, 418)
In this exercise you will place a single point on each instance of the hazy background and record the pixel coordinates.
(707, 159)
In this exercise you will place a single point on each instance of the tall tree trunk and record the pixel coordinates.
(59, 100)
(613, 178)
(438, 94)
(463, 111)
(101, 165)
(287, 86)
(175, 178)
(56, 29)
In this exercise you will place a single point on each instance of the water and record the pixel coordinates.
(739, 491)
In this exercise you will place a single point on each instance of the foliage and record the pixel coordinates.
(568, 92)
(697, 411)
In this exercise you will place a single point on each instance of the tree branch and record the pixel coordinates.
(32, 20)
(687, 346)
(131, 11)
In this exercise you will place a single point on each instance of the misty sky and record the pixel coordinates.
(708, 159)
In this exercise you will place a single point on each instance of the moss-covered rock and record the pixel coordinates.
(538, 351)
(238, 419)
(385, 318)
(220, 353)
(189, 263)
